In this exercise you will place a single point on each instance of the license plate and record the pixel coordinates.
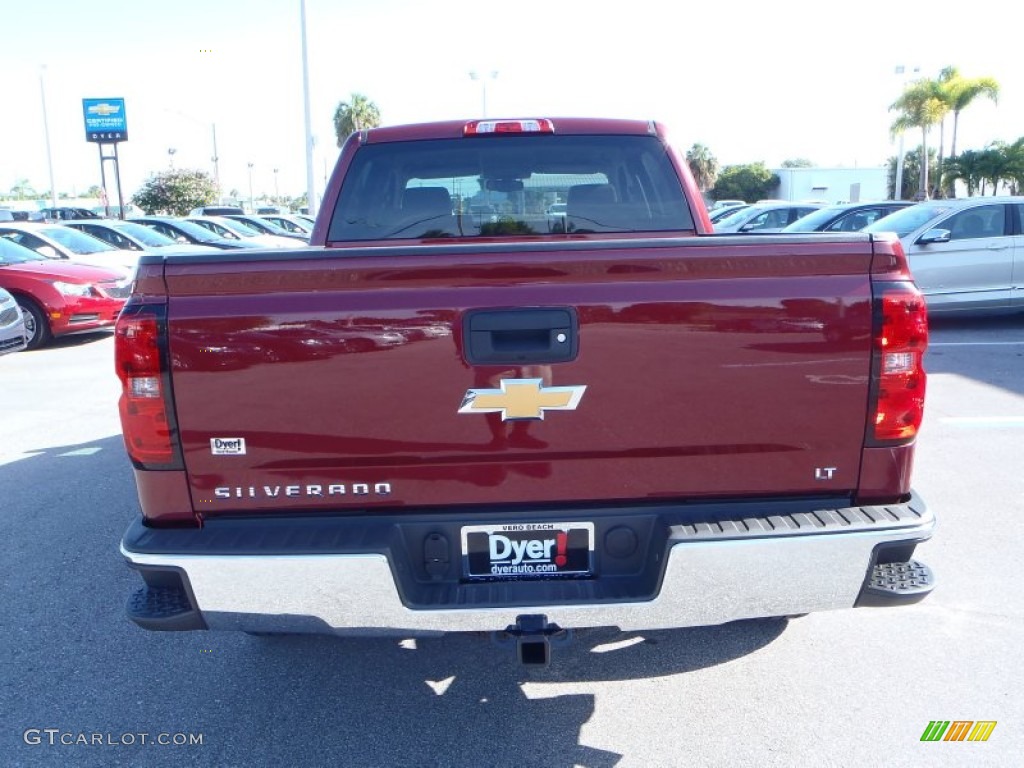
(527, 550)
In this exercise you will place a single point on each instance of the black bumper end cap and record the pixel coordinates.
(891, 584)
(163, 610)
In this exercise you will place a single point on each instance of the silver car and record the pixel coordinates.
(966, 255)
(763, 218)
(13, 335)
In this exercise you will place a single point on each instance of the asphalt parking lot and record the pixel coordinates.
(855, 687)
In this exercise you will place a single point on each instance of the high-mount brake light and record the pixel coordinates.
(486, 127)
(139, 360)
(898, 384)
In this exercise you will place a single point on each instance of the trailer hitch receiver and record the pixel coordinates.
(533, 635)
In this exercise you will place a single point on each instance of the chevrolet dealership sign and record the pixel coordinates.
(105, 120)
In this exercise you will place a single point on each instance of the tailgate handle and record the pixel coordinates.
(521, 336)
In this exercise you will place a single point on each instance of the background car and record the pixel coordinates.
(555, 214)
(182, 231)
(230, 228)
(129, 236)
(265, 227)
(290, 223)
(60, 297)
(13, 334)
(55, 241)
(848, 217)
(60, 214)
(215, 210)
(727, 210)
(726, 204)
(963, 253)
(764, 217)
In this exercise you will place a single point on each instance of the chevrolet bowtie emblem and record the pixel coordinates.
(522, 399)
(104, 110)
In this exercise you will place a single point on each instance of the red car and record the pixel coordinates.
(60, 297)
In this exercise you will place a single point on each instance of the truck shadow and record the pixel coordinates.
(76, 663)
(986, 349)
(460, 700)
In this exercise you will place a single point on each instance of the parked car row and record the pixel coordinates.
(75, 275)
(966, 254)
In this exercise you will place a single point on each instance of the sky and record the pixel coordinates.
(752, 81)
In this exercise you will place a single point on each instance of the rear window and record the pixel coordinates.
(509, 185)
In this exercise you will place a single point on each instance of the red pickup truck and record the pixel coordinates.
(433, 421)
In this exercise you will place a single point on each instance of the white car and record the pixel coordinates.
(966, 255)
(56, 241)
(232, 229)
(763, 218)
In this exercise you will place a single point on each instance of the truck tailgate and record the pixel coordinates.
(712, 367)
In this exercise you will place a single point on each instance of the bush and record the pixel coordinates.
(175, 192)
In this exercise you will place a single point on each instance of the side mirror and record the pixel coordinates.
(48, 251)
(934, 236)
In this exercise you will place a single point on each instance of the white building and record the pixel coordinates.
(832, 185)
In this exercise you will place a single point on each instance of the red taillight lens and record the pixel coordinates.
(138, 359)
(900, 378)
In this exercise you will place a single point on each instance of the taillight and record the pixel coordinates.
(140, 362)
(898, 377)
(485, 127)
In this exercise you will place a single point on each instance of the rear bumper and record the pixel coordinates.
(323, 575)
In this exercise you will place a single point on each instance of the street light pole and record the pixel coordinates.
(216, 164)
(277, 195)
(252, 204)
(898, 190)
(46, 132)
(170, 156)
(482, 78)
(311, 204)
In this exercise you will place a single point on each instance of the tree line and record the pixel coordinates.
(926, 103)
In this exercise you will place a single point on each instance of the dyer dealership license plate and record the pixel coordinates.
(528, 550)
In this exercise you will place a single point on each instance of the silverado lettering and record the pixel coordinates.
(252, 492)
(744, 448)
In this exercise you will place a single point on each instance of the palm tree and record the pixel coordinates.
(354, 115)
(911, 168)
(945, 87)
(994, 165)
(1015, 171)
(965, 167)
(703, 166)
(921, 106)
(963, 91)
(22, 189)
